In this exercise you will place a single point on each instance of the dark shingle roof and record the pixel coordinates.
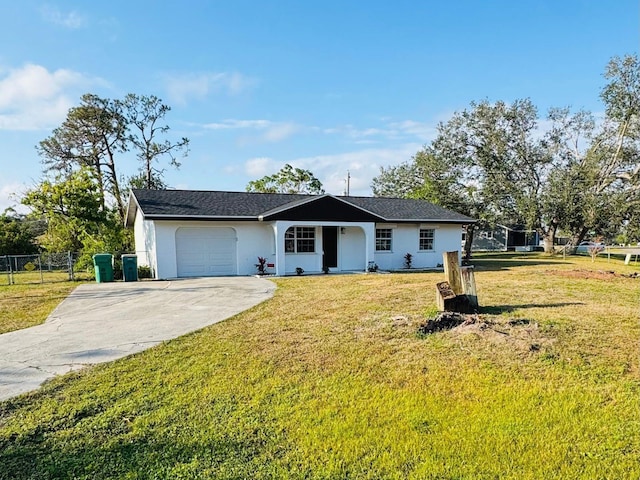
(404, 209)
(194, 204)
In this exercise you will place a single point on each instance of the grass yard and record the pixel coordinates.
(26, 305)
(329, 380)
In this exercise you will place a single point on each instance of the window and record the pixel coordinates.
(426, 238)
(383, 239)
(300, 240)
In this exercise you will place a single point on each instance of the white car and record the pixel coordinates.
(584, 246)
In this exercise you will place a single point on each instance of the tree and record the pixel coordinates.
(600, 162)
(143, 115)
(438, 178)
(501, 141)
(72, 208)
(492, 162)
(452, 183)
(91, 136)
(98, 130)
(485, 162)
(398, 181)
(287, 180)
(17, 235)
(620, 141)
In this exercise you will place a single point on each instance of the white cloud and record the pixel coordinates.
(232, 124)
(270, 131)
(32, 97)
(280, 131)
(261, 166)
(9, 197)
(72, 19)
(404, 130)
(363, 163)
(421, 130)
(363, 166)
(195, 86)
(331, 170)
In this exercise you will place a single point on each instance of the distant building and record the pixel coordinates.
(502, 238)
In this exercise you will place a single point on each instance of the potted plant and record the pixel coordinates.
(408, 258)
(262, 266)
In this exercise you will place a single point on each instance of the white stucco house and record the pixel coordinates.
(187, 233)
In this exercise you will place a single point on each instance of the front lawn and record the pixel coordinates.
(329, 379)
(26, 305)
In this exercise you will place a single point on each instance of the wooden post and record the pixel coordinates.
(469, 286)
(452, 271)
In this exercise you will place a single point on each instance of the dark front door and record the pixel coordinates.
(330, 247)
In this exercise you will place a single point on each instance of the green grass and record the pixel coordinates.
(330, 380)
(23, 306)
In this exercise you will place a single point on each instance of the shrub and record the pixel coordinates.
(261, 265)
(144, 271)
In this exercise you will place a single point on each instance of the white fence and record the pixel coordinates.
(629, 253)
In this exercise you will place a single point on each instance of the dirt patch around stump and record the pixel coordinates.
(447, 321)
(592, 274)
(521, 334)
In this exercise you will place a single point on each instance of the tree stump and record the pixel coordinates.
(458, 293)
(469, 285)
(452, 274)
(448, 301)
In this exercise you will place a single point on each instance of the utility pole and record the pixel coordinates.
(347, 184)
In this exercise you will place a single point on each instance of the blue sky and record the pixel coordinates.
(328, 86)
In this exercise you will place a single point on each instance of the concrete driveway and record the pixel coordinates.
(102, 322)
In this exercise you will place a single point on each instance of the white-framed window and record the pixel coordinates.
(300, 240)
(426, 238)
(383, 239)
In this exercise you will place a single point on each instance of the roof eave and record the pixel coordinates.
(132, 208)
(432, 220)
(200, 217)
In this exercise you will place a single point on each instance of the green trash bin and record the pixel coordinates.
(130, 268)
(103, 265)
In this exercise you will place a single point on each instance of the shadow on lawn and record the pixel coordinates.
(177, 453)
(498, 309)
(509, 262)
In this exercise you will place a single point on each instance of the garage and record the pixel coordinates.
(206, 252)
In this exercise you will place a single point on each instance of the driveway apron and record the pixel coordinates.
(101, 322)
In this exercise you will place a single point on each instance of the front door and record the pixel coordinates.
(330, 247)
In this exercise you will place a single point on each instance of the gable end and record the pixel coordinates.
(325, 208)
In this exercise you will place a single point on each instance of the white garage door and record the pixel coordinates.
(206, 252)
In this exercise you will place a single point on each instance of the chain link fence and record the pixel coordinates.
(41, 268)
